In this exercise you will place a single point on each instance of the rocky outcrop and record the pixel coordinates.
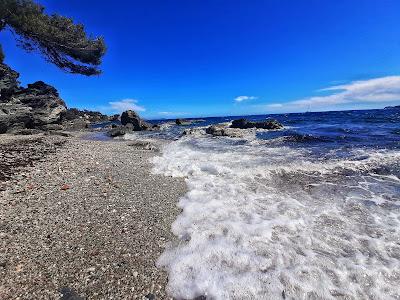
(241, 128)
(119, 130)
(130, 121)
(75, 119)
(220, 130)
(244, 124)
(114, 118)
(36, 106)
(181, 122)
(131, 117)
(8, 78)
(88, 115)
(185, 122)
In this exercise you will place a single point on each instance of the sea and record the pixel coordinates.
(311, 211)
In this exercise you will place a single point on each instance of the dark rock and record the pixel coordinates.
(69, 294)
(77, 124)
(3, 263)
(221, 130)
(393, 107)
(8, 79)
(37, 105)
(182, 122)
(216, 130)
(114, 118)
(72, 114)
(120, 130)
(244, 124)
(131, 117)
(150, 296)
(75, 119)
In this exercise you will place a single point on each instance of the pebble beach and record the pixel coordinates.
(83, 218)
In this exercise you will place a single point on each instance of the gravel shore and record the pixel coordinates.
(82, 219)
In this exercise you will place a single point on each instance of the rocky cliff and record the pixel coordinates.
(37, 106)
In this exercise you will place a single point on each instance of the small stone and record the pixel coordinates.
(69, 294)
(65, 187)
(3, 263)
(150, 296)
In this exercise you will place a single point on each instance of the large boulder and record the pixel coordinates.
(268, 124)
(131, 117)
(36, 106)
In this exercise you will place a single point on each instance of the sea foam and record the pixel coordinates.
(262, 222)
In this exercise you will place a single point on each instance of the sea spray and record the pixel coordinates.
(266, 221)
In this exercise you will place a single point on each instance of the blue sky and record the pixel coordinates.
(214, 57)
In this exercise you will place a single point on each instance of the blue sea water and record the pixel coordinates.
(378, 128)
(311, 211)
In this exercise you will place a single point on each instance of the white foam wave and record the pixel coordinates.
(274, 223)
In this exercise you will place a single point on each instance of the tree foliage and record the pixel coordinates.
(58, 38)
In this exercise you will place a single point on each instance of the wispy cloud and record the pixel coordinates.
(377, 90)
(244, 98)
(121, 105)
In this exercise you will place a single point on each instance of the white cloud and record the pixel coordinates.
(275, 105)
(124, 104)
(244, 98)
(377, 90)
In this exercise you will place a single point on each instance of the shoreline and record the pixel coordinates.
(88, 216)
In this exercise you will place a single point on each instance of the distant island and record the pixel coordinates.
(393, 107)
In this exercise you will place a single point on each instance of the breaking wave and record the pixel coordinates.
(264, 221)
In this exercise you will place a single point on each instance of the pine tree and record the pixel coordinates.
(57, 38)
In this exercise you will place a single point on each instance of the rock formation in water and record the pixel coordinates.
(245, 124)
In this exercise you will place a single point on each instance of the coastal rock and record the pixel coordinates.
(75, 119)
(184, 122)
(131, 117)
(194, 132)
(36, 106)
(8, 78)
(393, 107)
(114, 118)
(120, 130)
(245, 124)
(88, 115)
(221, 130)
